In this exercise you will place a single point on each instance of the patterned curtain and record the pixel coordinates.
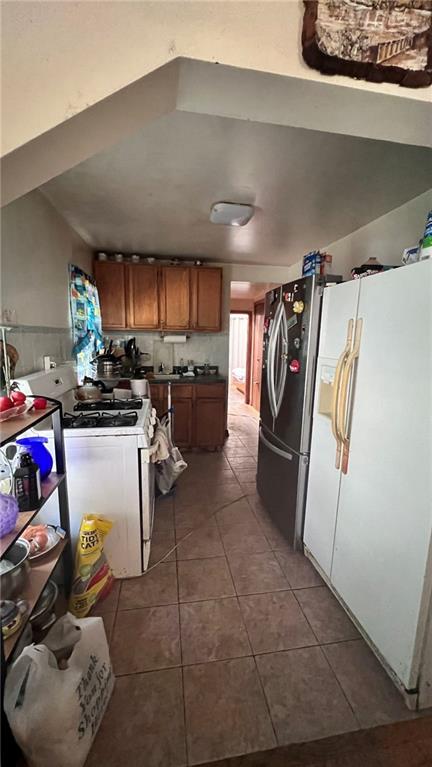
(86, 320)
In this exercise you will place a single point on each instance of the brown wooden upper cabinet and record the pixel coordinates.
(142, 296)
(174, 297)
(110, 280)
(155, 297)
(206, 298)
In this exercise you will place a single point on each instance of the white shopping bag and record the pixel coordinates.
(169, 470)
(54, 714)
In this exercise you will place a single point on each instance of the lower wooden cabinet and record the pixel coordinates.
(209, 423)
(183, 422)
(199, 413)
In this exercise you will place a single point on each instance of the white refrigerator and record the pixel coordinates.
(368, 517)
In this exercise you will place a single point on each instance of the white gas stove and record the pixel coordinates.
(108, 465)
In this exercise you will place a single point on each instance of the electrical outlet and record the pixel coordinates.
(9, 317)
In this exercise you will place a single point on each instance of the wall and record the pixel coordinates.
(199, 347)
(241, 305)
(385, 238)
(48, 44)
(36, 246)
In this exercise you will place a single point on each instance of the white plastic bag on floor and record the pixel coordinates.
(55, 714)
(169, 470)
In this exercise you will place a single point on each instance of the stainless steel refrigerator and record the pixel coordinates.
(290, 342)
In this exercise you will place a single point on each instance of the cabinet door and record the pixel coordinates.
(142, 296)
(210, 391)
(110, 281)
(182, 431)
(158, 398)
(209, 422)
(206, 298)
(175, 297)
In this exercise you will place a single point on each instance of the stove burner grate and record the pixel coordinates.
(109, 404)
(97, 420)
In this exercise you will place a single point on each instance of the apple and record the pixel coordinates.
(40, 403)
(17, 397)
(5, 404)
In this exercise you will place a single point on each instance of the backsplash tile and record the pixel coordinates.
(199, 347)
(33, 343)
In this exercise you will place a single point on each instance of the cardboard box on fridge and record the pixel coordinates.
(316, 262)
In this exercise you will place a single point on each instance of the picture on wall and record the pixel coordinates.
(377, 40)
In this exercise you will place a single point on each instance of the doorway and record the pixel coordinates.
(239, 357)
(257, 355)
(245, 345)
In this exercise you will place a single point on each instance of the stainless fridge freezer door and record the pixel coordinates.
(293, 423)
(272, 303)
(281, 484)
(276, 361)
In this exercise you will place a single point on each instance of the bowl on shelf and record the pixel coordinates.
(41, 456)
(14, 569)
(14, 412)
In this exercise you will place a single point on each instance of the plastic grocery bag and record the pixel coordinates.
(55, 714)
(93, 578)
(169, 470)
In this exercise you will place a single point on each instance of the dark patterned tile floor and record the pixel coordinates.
(233, 644)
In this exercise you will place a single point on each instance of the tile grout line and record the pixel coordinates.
(253, 654)
(181, 659)
(236, 595)
(251, 646)
(320, 645)
(356, 719)
(184, 715)
(261, 684)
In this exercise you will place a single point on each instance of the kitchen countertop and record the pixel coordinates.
(211, 379)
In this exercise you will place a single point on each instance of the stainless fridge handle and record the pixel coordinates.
(274, 449)
(270, 367)
(283, 329)
(269, 377)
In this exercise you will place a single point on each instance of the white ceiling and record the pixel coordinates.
(153, 192)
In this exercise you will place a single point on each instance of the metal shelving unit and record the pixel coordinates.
(42, 569)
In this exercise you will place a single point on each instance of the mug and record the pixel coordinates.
(140, 387)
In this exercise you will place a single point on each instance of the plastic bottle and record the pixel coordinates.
(27, 483)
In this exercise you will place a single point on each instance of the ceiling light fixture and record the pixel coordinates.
(231, 213)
